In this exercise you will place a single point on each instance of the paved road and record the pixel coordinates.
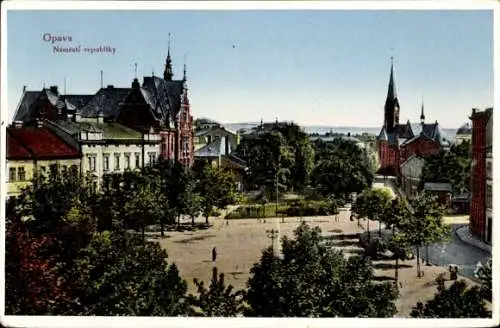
(453, 251)
(457, 252)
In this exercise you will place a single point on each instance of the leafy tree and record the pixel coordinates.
(144, 206)
(484, 274)
(452, 166)
(342, 168)
(120, 274)
(457, 301)
(371, 204)
(395, 215)
(314, 280)
(217, 189)
(218, 300)
(425, 225)
(33, 285)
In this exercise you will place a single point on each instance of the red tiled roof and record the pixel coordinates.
(42, 143)
(15, 150)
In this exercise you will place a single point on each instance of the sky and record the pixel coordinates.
(313, 67)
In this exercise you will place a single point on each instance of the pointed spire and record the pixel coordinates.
(391, 92)
(168, 74)
(422, 115)
(391, 107)
(135, 71)
(184, 75)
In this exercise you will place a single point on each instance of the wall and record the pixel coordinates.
(421, 146)
(14, 187)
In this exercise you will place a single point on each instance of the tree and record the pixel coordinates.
(144, 206)
(342, 168)
(425, 225)
(120, 274)
(457, 301)
(371, 204)
(452, 166)
(219, 300)
(311, 279)
(217, 189)
(395, 216)
(33, 285)
(484, 274)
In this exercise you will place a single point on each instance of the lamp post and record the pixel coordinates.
(272, 234)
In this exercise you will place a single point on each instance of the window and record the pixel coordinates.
(489, 197)
(92, 163)
(152, 158)
(12, 174)
(74, 169)
(105, 162)
(21, 174)
(137, 160)
(117, 161)
(127, 161)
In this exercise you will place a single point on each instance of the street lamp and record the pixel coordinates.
(272, 234)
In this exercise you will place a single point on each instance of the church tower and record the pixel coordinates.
(391, 108)
(168, 74)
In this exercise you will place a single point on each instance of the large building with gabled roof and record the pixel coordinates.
(159, 106)
(397, 142)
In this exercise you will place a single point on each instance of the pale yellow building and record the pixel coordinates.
(32, 149)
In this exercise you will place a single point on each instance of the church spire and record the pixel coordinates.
(184, 75)
(391, 108)
(422, 115)
(167, 74)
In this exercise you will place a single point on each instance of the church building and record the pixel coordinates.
(397, 141)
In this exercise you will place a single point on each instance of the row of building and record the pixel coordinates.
(403, 148)
(113, 130)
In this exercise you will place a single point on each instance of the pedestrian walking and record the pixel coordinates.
(214, 254)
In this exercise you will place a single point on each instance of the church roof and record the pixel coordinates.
(404, 131)
(382, 136)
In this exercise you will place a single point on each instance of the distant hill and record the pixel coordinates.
(447, 133)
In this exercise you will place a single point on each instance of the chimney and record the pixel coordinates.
(24, 88)
(474, 111)
(110, 86)
(135, 84)
(53, 89)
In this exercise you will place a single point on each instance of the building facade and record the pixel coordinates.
(33, 150)
(159, 104)
(108, 147)
(481, 174)
(397, 142)
(411, 171)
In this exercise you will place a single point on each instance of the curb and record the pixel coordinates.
(468, 242)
